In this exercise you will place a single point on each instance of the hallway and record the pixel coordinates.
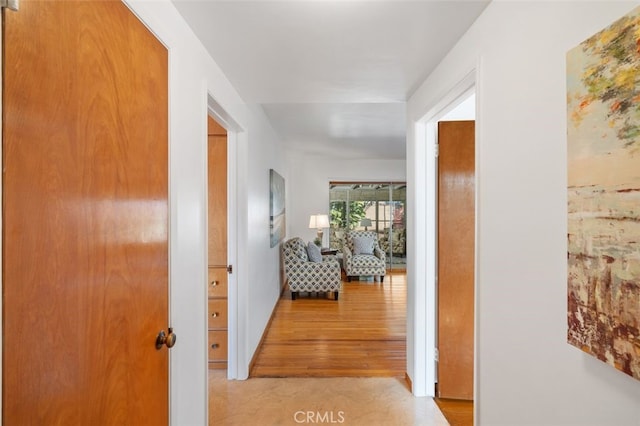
(371, 401)
(361, 335)
(343, 361)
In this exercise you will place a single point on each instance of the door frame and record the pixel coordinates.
(423, 337)
(215, 110)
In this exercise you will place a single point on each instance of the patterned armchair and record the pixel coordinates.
(399, 240)
(336, 238)
(362, 255)
(306, 275)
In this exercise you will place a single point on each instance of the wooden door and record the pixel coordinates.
(456, 247)
(85, 252)
(217, 242)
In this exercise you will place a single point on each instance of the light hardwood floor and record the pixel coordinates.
(457, 412)
(357, 345)
(363, 334)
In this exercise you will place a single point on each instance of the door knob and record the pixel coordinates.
(166, 339)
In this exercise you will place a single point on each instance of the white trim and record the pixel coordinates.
(476, 284)
(221, 116)
(232, 254)
(425, 171)
(243, 356)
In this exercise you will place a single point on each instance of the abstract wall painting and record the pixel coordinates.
(277, 217)
(603, 134)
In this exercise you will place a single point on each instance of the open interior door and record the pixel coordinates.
(456, 258)
(85, 216)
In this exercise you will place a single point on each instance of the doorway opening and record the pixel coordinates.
(217, 259)
(455, 298)
(455, 242)
(455, 251)
(423, 290)
(224, 350)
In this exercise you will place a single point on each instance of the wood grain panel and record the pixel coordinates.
(217, 313)
(217, 365)
(217, 345)
(218, 282)
(217, 172)
(456, 411)
(85, 257)
(456, 246)
(217, 243)
(215, 129)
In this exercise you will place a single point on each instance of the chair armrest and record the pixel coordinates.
(331, 259)
(380, 254)
(346, 258)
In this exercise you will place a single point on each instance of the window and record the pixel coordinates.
(372, 206)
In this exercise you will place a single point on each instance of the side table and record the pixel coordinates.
(328, 251)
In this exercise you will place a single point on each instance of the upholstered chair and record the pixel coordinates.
(336, 238)
(363, 255)
(305, 274)
(399, 246)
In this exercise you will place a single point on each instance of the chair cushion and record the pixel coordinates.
(366, 260)
(297, 248)
(313, 251)
(363, 245)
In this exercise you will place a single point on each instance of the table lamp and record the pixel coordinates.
(366, 222)
(319, 222)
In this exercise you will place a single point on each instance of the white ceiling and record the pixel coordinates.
(332, 76)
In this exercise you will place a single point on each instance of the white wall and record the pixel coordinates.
(308, 191)
(466, 110)
(263, 262)
(526, 372)
(193, 74)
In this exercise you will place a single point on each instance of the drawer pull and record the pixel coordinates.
(215, 346)
(214, 283)
(215, 314)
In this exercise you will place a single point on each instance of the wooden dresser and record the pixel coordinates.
(217, 243)
(217, 317)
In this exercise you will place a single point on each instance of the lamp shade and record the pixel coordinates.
(365, 222)
(319, 221)
(322, 221)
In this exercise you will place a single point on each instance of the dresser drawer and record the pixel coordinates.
(217, 283)
(218, 345)
(217, 313)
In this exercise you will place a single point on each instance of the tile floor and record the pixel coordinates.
(367, 401)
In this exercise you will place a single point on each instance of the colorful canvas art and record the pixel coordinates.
(603, 133)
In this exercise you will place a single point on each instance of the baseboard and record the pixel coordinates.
(264, 334)
(409, 382)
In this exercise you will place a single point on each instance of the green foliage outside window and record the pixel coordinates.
(357, 211)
